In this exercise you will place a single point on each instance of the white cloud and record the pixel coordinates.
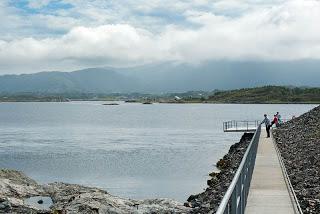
(38, 3)
(281, 30)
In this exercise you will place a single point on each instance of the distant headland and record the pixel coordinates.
(257, 95)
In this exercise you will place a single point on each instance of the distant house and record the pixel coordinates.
(177, 98)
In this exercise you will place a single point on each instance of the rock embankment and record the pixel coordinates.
(16, 188)
(209, 200)
(299, 144)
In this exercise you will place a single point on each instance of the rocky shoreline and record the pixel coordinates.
(299, 144)
(209, 200)
(16, 189)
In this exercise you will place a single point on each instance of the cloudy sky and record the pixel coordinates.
(38, 35)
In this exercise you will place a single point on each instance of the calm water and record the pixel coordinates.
(131, 150)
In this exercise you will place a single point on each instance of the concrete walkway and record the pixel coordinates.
(268, 192)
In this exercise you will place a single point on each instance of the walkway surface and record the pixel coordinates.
(268, 192)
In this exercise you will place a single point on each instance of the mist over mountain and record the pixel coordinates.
(167, 77)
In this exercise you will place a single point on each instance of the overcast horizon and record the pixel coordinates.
(67, 35)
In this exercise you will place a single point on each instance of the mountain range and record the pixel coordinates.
(167, 77)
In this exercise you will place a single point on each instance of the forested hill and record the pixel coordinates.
(268, 94)
(166, 78)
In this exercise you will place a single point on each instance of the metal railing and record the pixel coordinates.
(293, 197)
(235, 199)
(235, 125)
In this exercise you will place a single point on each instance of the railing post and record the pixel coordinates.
(239, 195)
(242, 197)
(234, 201)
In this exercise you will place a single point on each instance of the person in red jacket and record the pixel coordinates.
(275, 120)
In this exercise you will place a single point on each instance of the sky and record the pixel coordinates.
(45, 35)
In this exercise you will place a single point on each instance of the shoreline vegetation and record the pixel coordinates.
(258, 95)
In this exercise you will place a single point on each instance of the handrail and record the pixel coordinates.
(244, 125)
(293, 196)
(241, 125)
(235, 199)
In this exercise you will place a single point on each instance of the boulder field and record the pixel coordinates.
(299, 143)
(16, 188)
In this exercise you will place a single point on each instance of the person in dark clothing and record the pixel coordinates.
(267, 122)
